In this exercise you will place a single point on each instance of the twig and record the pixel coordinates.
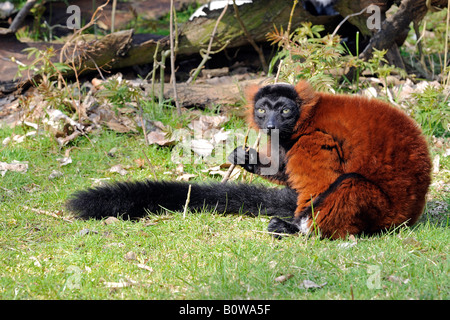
(155, 66)
(208, 51)
(346, 18)
(250, 39)
(20, 17)
(290, 17)
(113, 15)
(162, 66)
(47, 213)
(279, 70)
(187, 202)
(446, 42)
(231, 168)
(256, 146)
(150, 165)
(272, 233)
(172, 60)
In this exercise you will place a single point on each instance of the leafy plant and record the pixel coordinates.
(432, 111)
(119, 92)
(305, 54)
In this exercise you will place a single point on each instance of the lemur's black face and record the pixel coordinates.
(276, 108)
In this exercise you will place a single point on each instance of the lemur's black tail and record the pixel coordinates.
(136, 199)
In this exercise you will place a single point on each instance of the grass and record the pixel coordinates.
(202, 256)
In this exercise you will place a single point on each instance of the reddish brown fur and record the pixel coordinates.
(364, 136)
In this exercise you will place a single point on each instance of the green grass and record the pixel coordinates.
(201, 256)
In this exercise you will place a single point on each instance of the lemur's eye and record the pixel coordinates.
(286, 111)
(261, 110)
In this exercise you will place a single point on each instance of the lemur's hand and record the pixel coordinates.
(247, 158)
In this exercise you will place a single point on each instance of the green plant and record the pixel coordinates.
(322, 60)
(46, 75)
(432, 111)
(305, 54)
(119, 92)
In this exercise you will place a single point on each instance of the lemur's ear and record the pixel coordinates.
(250, 94)
(306, 93)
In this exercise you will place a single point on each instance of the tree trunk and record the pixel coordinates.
(409, 10)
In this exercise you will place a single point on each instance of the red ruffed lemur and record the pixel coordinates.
(349, 164)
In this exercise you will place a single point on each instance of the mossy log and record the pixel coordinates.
(195, 35)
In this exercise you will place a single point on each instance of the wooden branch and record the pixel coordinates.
(20, 17)
(208, 51)
(409, 10)
(172, 59)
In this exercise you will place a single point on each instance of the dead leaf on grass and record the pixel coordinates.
(308, 284)
(121, 284)
(160, 138)
(140, 163)
(64, 161)
(145, 267)
(410, 241)
(130, 255)
(110, 220)
(16, 166)
(202, 147)
(118, 168)
(185, 177)
(283, 278)
(398, 280)
(55, 174)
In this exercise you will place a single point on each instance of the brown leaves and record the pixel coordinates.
(16, 166)
(305, 284)
(308, 284)
(160, 138)
(283, 278)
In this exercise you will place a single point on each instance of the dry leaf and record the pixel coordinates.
(283, 278)
(55, 174)
(159, 138)
(122, 284)
(64, 161)
(308, 284)
(16, 166)
(36, 262)
(110, 220)
(179, 168)
(6, 141)
(118, 168)
(140, 163)
(130, 256)
(411, 242)
(185, 177)
(220, 136)
(205, 123)
(118, 126)
(86, 231)
(202, 147)
(97, 83)
(353, 242)
(436, 161)
(398, 280)
(144, 266)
